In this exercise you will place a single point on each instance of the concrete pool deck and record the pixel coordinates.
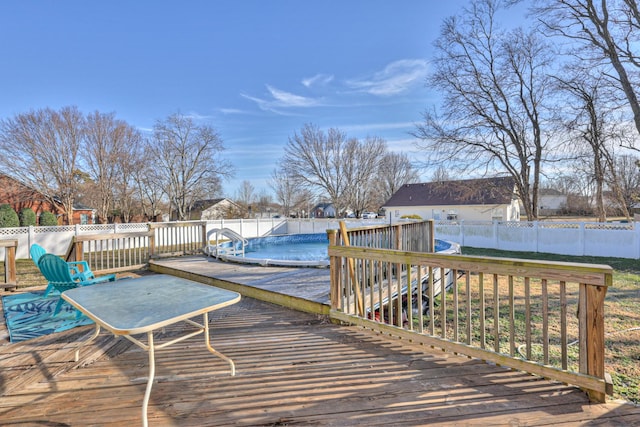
(306, 289)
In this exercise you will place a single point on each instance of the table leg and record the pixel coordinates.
(211, 349)
(152, 373)
(96, 332)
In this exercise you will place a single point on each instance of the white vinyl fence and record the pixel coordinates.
(568, 238)
(618, 240)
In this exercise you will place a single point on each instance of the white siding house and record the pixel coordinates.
(214, 209)
(550, 201)
(482, 199)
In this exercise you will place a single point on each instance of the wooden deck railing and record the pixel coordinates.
(10, 270)
(116, 252)
(410, 236)
(179, 238)
(546, 318)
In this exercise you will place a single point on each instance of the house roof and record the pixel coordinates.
(550, 192)
(482, 191)
(205, 204)
(323, 206)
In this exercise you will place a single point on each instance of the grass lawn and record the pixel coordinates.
(622, 316)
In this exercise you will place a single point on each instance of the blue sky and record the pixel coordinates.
(257, 71)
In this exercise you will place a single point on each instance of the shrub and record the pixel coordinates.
(412, 216)
(27, 217)
(8, 217)
(48, 219)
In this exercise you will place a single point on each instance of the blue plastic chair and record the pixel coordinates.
(80, 270)
(57, 272)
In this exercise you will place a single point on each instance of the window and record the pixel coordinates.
(84, 219)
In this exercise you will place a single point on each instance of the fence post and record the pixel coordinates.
(78, 248)
(204, 233)
(31, 238)
(496, 239)
(591, 332)
(152, 241)
(10, 272)
(397, 237)
(334, 289)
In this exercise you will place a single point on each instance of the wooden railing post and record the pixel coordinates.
(352, 270)
(152, 243)
(431, 236)
(10, 264)
(203, 233)
(79, 250)
(397, 237)
(591, 320)
(334, 290)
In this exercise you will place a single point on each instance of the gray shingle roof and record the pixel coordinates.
(487, 191)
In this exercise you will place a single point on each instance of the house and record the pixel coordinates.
(483, 199)
(323, 210)
(551, 202)
(215, 209)
(20, 196)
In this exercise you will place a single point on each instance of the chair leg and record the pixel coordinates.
(58, 306)
(48, 290)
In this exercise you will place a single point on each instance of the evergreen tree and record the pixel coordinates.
(27, 217)
(48, 219)
(8, 217)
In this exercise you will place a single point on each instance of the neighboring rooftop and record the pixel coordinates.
(482, 191)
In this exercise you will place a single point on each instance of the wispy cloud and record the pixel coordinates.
(197, 116)
(231, 111)
(288, 99)
(279, 100)
(395, 78)
(318, 79)
(370, 127)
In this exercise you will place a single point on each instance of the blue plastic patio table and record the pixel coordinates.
(143, 305)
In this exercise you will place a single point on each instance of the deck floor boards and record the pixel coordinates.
(293, 368)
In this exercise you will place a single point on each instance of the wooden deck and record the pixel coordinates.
(293, 368)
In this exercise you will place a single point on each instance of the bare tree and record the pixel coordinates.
(125, 189)
(149, 189)
(395, 171)
(493, 83)
(246, 197)
(111, 157)
(588, 128)
(362, 172)
(330, 164)
(188, 161)
(441, 174)
(316, 160)
(602, 33)
(287, 190)
(263, 203)
(626, 182)
(41, 148)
